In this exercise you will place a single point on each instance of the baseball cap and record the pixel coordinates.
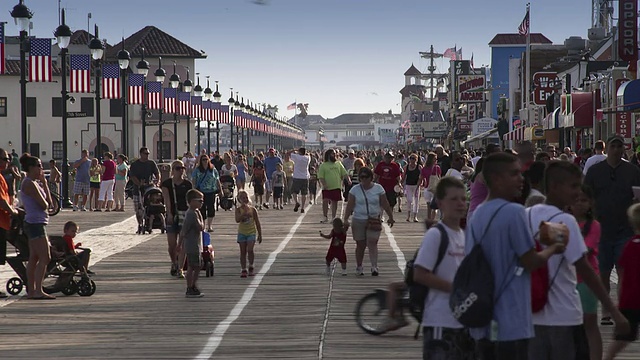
(351, 151)
(615, 137)
(389, 153)
(272, 150)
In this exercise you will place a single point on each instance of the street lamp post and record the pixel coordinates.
(208, 94)
(197, 91)
(232, 103)
(22, 17)
(96, 47)
(143, 69)
(187, 86)
(174, 82)
(160, 75)
(63, 37)
(123, 62)
(217, 98)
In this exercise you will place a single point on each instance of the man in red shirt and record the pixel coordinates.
(387, 174)
(6, 210)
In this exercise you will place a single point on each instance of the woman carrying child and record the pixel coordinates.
(248, 228)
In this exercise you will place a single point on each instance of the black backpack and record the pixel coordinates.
(418, 292)
(472, 296)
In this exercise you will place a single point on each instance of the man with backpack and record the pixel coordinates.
(435, 266)
(557, 319)
(491, 291)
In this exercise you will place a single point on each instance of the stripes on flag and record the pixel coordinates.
(40, 60)
(154, 92)
(224, 114)
(215, 112)
(184, 103)
(523, 29)
(79, 73)
(207, 107)
(170, 100)
(110, 81)
(291, 106)
(136, 89)
(3, 68)
(196, 107)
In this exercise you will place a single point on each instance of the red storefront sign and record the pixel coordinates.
(464, 126)
(628, 32)
(544, 83)
(623, 119)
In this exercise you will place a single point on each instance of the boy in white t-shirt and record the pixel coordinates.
(444, 336)
(555, 323)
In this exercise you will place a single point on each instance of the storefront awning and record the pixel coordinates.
(516, 134)
(534, 133)
(551, 120)
(629, 96)
(582, 109)
(481, 136)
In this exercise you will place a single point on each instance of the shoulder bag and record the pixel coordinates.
(373, 223)
(433, 180)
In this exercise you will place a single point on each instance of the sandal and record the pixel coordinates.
(606, 320)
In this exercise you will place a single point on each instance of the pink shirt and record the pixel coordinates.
(479, 193)
(427, 172)
(109, 170)
(592, 239)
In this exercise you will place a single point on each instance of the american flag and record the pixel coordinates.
(523, 29)
(184, 106)
(110, 81)
(238, 118)
(196, 107)
(40, 60)
(450, 53)
(154, 98)
(79, 74)
(224, 114)
(136, 89)
(207, 107)
(170, 100)
(2, 66)
(291, 106)
(215, 111)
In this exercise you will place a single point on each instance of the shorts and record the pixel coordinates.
(35, 231)
(553, 342)
(258, 189)
(277, 192)
(336, 252)
(333, 195)
(194, 260)
(633, 316)
(503, 350)
(313, 187)
(94, 185)
(300, 186)
(392, 198)
(609, 253)
(242, 238)
(361, 232)
(81, 188)
(446, 343)
(588, 299)
(267, 185)
(137, 204)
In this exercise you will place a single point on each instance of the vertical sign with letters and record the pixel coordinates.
(623, 119)
(628, 32)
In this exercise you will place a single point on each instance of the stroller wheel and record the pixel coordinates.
(71, 288)
(14, 286)
(86, 287)
(162, 231)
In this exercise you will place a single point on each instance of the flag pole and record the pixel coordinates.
(528, 66)
(295, 112)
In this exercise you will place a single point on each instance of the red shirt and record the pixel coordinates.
(70, 245)
(630, 286)
(109, 169)
(338, 239)
(388, 174)
(5, 217)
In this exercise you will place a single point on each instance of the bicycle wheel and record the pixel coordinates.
(371, 312)
(56, 206)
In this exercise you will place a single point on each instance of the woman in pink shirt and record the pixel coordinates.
(430, 168)
(108, 179)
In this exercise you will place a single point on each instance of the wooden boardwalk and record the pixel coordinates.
(291, 311)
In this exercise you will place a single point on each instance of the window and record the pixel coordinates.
(335, 135)
(31, 107)
(3, 106)
(166, 149)
(86, 105)
(56, 107)
(115, 107)
(56, 150)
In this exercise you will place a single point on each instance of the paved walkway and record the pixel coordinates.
(290, 310)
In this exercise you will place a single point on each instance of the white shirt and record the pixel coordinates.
(373, 197)
(475, 160)
(563, 306)
(594, 159)
(232, 169)
(455, 173)
(436, 307)
(300, 166)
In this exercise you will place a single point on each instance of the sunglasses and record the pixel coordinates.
(179, 168)
(145, 153)
(364, 177)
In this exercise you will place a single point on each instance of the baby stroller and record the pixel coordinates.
(128, 190)
(226, 199)
(65, 272)
(207, 254)
(154, 210)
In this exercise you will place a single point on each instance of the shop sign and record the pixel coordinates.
(428, 128)
(464, 126)
(471, 88)
(623, 118)
(628, 32)
(483, 125)
(544, 83)
(471, 112)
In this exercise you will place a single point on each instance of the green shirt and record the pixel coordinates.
(332, 173)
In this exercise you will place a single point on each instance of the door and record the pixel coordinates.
(34, 149)
(165, 150)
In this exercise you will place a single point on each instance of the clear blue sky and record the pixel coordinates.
(340, 56)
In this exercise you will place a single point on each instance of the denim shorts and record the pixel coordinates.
(35, 231)
(242, 238)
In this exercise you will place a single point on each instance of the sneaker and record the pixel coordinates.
(180, 274)
(374, 271)
(415, 219)
(295, 208)
(326, 220)
(327, 271)
(89, 272)
(281, 207)
(344, 272)
(189, 292)
(251, 273)
(75, 208)
(197, 292)
(266, 206)
(606, 320)
(359, 271)
(302, 211)
(243, 274)
(260, 208)
(174, 269)
(83, 208)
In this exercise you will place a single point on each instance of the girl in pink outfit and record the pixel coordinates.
(582, 210)
(430, 168)
(108, 180)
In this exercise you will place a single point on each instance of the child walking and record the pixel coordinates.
(629, 285)
(258, 179)
(582, 210)
(248, 228)
(190, 241)
(313, 184)
(336, 249)
(279, 179)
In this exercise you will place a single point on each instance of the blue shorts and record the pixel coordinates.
(35, 231)
(174, 228)
(609, 253)
(246, 238)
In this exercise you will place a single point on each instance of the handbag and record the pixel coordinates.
(373, 223)
(433, 180)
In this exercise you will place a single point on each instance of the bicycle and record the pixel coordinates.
(372, 311)
(54, 207)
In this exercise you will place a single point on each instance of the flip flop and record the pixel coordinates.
(606, 320)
